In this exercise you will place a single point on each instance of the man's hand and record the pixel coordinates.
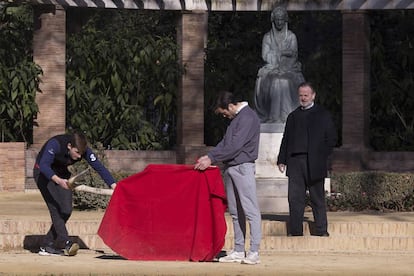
(282, 167)
(202, 163)
(61, 182)
(113, 186)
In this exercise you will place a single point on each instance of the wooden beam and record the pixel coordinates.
(232, 5)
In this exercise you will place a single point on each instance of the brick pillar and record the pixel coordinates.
(356, 91)
(12, 167)
(49, 51)
(191, 36)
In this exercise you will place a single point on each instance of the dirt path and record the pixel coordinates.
(96, 263)
(89, 262)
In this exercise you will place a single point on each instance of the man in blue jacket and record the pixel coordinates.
(307, 142)
(238, 150)
(51, 175)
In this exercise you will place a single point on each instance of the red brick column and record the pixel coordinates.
(356, 91)
(192, 33)
(12, 167)
(49, 51)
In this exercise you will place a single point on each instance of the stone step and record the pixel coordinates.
(373, 229)
(344, 236)
(269, 243)
(269, 227)
(334, 244)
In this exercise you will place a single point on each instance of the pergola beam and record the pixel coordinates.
(233, 5)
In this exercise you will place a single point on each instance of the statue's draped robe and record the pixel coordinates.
(278, 80)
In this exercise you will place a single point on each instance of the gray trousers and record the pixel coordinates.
(240, 185)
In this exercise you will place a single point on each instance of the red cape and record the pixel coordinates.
(167, 212)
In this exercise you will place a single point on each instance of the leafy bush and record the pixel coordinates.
(381, 191)
(392, 80)
(90, 201)
(122, 79)
(19, 75)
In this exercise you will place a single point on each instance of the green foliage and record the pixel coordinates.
(373, 191)
(392, 81)
(19, 75)
(122, 77)
(122, 72)
(320, 52)
(90, 201)
(234, 58)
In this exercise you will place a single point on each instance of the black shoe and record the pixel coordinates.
(71, 248)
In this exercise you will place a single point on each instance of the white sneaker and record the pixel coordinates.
(50, 251)
(251, 258)
(232, 257)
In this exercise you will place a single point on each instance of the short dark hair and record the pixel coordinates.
(79, 141)
(225, 98)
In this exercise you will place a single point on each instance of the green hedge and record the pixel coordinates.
(354, 191)
(90, 201)
(383, 191)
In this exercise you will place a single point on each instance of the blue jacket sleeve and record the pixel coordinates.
(103, 172)
(45, 163)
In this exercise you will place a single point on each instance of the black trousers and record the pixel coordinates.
(299, 182)
(59, 203)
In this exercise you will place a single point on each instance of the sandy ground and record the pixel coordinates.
(89, 262)
(97, 263)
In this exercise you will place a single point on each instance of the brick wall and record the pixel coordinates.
(344, 161)
(16, 163)
(136, 161)
(12, 167)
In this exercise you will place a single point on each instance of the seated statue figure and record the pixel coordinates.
(277, 81)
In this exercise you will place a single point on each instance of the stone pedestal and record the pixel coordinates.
(266, 163)
(272, 185)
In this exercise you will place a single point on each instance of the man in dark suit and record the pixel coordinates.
(307, 142)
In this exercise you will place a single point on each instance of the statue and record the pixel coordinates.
(278, 80)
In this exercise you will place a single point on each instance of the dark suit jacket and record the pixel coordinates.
(321, 140)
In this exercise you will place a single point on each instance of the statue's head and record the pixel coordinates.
(279, 13)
